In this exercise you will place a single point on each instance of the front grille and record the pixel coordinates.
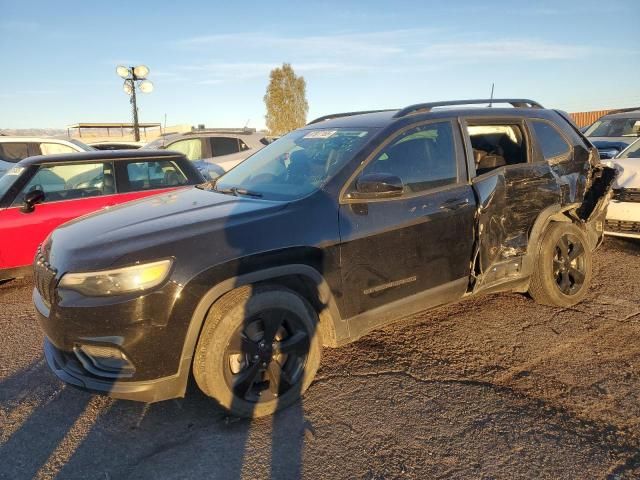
(622, 226)
(44, 276)
(627, 195)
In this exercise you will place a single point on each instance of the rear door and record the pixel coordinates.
(514, 184)
(398, 247)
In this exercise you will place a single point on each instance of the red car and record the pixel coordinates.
(40, 193)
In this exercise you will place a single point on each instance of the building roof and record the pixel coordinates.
(113, 125)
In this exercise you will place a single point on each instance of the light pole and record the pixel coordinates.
(135, 77)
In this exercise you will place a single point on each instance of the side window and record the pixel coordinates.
(70, 182)
(190, 148)
(423, 158)
(153, 174)
(13, 152)
(552, 144)
(52, 148)
(224, 146)
(496, 146)
(243, 146)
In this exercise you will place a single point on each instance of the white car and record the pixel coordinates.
(623, 215)
(13, 149)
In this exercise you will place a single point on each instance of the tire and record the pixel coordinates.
(237, 365)
(563, 269)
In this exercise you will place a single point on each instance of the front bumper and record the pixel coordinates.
(78, 334)
(623, 219)
(69, 369)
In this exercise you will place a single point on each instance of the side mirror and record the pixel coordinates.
(31, 199)
(378, 185)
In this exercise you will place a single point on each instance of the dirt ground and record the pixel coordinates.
(493, 388)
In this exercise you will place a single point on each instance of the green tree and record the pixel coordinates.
(286, 101)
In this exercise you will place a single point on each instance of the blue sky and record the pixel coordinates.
(210, 60)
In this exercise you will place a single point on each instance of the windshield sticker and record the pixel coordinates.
(320, 134)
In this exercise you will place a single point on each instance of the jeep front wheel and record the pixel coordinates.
(259, 350)
(563, 269)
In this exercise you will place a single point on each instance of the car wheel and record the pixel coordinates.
(259, 350)
(563, 269)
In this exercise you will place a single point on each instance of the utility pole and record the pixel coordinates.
(131, 75)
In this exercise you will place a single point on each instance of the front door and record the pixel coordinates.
(394, 248)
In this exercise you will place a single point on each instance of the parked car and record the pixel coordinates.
(214, 151)
(623, 214)
(40, 193)
(614, 132)
(333, 230)
(122, 145)
(13, 149)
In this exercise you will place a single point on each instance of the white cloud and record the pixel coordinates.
(507, 49)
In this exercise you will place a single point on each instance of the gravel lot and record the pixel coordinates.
(496, 387)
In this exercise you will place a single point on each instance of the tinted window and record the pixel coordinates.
(423, 157)
(153, 174)
(550, 141)
(224, 146)
(70, 182)
(191, 148)
(13, 152)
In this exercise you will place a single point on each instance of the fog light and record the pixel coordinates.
(104, 361)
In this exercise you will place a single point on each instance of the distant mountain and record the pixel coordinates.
(34, 132)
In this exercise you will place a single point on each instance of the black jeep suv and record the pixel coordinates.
(335, 229)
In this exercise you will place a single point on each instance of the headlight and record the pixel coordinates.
(118, 281)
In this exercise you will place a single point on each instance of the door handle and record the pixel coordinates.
(454, 204)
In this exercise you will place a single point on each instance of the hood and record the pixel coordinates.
(628, 172)
(609, 147)
(154, 227)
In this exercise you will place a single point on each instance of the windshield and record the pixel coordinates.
(615, 127)
(82, 145)
(632, 151)
(7, 180)
(296, 164)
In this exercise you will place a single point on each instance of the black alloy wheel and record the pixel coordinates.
(266, 356)
(569, 266)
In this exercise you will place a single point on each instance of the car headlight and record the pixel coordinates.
(117, 281)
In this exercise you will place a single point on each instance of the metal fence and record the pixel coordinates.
(582, 119)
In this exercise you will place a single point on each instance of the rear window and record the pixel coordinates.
(14, 151)
(224, 146)
(153, 174)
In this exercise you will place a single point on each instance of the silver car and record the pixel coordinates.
(614, 132)
(214, 151)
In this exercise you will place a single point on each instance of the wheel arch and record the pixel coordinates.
(301, 278)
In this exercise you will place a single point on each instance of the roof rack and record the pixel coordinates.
(347, 114)
(426, 107)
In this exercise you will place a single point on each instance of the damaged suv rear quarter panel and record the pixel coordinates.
(514, 199)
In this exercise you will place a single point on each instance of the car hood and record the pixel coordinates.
(156, 227)
(612, 142)
(628, 172)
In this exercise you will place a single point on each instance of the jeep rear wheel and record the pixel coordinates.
(259, 350)
(563, 270)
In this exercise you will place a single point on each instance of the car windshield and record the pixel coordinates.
(7, 180)
(615, 127)
(294, 165)
(632, 151)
